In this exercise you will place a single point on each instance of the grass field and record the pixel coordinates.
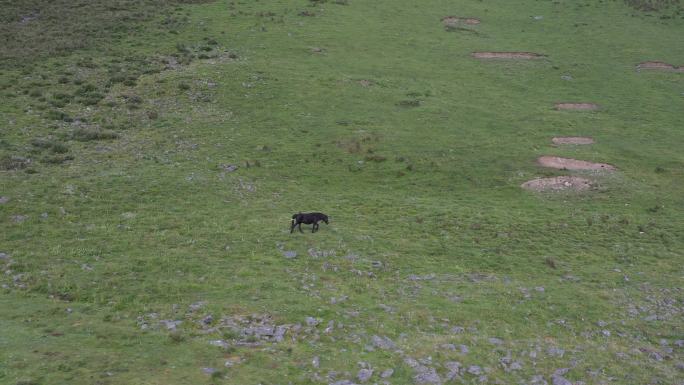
(152, 154)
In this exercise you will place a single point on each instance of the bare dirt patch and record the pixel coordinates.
(577, 106)
(658, 66)
(365, 83)
(580, 140)
(573, 164)
(507, 55)
(557, 184)
(456, 20)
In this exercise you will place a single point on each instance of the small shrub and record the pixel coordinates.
(89, 134)
(183, 86)
(409, 103)
(12, 162)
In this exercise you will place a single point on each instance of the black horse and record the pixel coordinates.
(307, 219)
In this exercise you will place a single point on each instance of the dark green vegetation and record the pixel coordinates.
(122, 210)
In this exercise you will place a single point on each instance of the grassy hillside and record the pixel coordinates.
(152, 154)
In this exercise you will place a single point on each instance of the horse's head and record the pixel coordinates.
(325, 219)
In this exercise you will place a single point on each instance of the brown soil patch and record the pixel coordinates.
(572, 164)
(577, 106)
(507, 55)
(365, 83)
(659, 66)
(559, 140)
(558, 183)
(455, 20)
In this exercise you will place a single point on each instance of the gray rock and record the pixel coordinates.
(289, 254)
(364, 375)
(376, 264)
(19, 218)
(387, 373)
(566, 77)
(680, 366)
(279, 333)
(170, 324)
(495, 341)
(474, 370)
(538, 17)
(220, 343)
(313, 322)
(3, 200)
(554, 351)
(383, 342)
(316, 362)
(454, 368)
(4, 257)
(229, 167)
(679, 343)
(197, 305)
(207, 320)
(457, 330)
(605, 332)
(451, 347)
(602, 324)
(559, 380)
(538, 380)
(463, 349)
(386, 308)
(426, 375)
(343, 382)
(209, 371)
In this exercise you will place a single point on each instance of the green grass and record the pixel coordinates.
(113, 147)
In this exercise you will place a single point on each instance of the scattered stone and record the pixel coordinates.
(495, 341)
(365, 83)
(383, 342)
(220, 343)
(578, 140)
(658, 66)
(376, 264)
(426, 375)
(507, 55)
(566, 77)
(386, 308)
(540, 289)
(313, 322)
(572, 164)
(19, 218)
(454, 368)
(538, 380)
(208, 320)
(387, 373)
(317, 50)
(558, 379)
(4, 257)
(364, 375)
(209, 371)
(426, 277)
(606, 333)
(228, 167)
(538, 17)
(316, 362)
(452, 21)
(554, 351)
(457, 330)
(679, 343)
(3, 200)
(44, 215)
(170, 325)
(577, 106)
(474, 370)
(463, 349)
(289, 254)
(343, 382)
(558, 184)
(197, 305)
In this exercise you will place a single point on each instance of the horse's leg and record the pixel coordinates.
(292, 227)
(314, 226)
(300, 227)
